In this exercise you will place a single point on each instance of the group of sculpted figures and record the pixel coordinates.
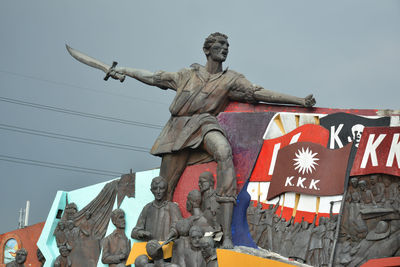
(20, 258)
(192, 134)
(300, 241)
(194, 237)
(371, 220)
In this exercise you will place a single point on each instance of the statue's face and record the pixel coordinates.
(354, 182)
(195, 239)
(219, 49)
(159, 191)
(20, 257)
(373, 179)
(119, 220)
(61, 226)
(64, 251)
(71, 225)
(204, 185)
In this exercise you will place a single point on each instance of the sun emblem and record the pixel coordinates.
(305, 160)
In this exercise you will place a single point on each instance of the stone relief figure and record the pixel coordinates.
(158, 216)
(193, 255)
(367, 198)
(315, 256)
(202, 92)
(63, 260)
(86, 226)
(71, 233)
(208, 251)
(116, 246)
(59, 233)
(154, 250)
(301, 241)
(182, 243)
(20, 258)
(209, 203)
(193, 205)
(377, 188)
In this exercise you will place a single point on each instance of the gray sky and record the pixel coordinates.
(345, 52)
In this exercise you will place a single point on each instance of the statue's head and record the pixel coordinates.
(373, 179)
(20, 256)
(154, 250)
(159, 187)
(118, 218)
(206, 181)
(70, 224)
(193, 200)
(195, 234)
(354, 181)
(64, 251)
(207, 246)
(141, 260)
(61, 225)
(363, 185)
(183, 226)
(216, 47)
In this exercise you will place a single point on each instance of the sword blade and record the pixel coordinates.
(85, 59)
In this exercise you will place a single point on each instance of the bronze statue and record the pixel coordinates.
(193, 255)
(59, 233)
(158, 216)
(202, 92)
(116, 246)
(209, 203)
(181, 242)
(154, 250)
(63, 260)
(208, 251)
(193, 204)
(20, 258)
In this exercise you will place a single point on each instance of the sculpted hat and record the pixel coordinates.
(381, 231)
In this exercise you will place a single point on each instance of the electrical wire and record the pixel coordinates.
(79, 87)
(78, 113)
(58, 166)
(72, 138)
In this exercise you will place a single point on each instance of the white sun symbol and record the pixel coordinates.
(305, 160)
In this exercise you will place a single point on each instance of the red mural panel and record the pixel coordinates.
(378, 152)
(265, 164)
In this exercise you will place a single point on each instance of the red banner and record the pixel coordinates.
(266, 160)
(311, 169)
(378, 152)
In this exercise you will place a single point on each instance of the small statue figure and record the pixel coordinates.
(141, 261)
(59, 232)
(209, 203)
(158, 216)
(86, 226)
(377, 188)
(154, 250)
(301, 241)
(63, 260)
(193, 204)
(20, 258)
(193, 256)
(70, 210)
(116, 246)
(208, 251)
(182, 243)
(71, 233)
(367, 197)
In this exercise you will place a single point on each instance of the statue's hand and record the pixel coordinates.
(144, 234)
(309, 101)
(117, 74)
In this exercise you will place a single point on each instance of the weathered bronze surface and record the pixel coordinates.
(202, 92)
(116, 246)
(158, 216)
(20, 258)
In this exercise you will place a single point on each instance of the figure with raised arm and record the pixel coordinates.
(202, 92)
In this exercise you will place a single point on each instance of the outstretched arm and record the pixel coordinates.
(243, 90)
(161, 79)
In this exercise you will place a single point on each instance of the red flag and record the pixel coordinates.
(266, 160)
(311, 169)
(378, 152)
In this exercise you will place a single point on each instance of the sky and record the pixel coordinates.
(347, 53)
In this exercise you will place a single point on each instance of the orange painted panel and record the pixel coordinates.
(228, 258)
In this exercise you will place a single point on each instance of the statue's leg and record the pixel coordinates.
(216, 144)
(172, 167)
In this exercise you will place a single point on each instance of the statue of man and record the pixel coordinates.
(209, 203)
(116, 246)
(158, 216)
(20, 259)
(202, 92)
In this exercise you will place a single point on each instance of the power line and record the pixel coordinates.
(79, 87)
(58, 166)
(78, 113)
(72, 138)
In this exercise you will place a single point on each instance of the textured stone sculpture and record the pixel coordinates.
(208, 251)
(20, 258)
(63, 260)
(158, 216)
(193, 255)
(116, 246)
(202, 92)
